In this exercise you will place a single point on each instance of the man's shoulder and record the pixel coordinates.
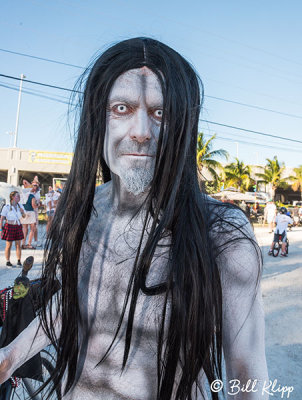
(229, 226)
(224, 213)
(237, 253)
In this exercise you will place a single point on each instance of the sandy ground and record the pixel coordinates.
(282, 295)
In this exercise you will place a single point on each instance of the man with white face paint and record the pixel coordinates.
(167, 280)
(135, 108)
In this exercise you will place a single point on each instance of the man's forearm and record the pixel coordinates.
(246, 380)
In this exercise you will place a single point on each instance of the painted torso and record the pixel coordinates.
(105, 266)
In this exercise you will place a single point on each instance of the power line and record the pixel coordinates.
(34, 94)
(218, 136)
(203, 120)
(234, 140)
(34, 90)
(251, 131)
(208, 96)
(42, 58)
(81, 67)
(253, 106)
(40, 83)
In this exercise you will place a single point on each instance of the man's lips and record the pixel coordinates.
(138, 154)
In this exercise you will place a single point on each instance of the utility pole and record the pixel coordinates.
(237, 150)
(257, 157)
(18, 110)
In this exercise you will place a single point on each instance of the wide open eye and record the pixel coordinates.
(120, 109)
(158, 114)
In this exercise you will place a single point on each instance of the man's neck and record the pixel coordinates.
(124, 202)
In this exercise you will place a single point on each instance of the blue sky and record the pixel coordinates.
(247, 52)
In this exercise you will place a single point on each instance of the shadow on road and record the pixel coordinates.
(285, 361)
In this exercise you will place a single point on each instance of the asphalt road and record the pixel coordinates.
(282, 296)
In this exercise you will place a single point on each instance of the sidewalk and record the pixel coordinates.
(8, 275)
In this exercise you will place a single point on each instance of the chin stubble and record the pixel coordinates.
(137, 179)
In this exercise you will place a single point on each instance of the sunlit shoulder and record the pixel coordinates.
(238, 254)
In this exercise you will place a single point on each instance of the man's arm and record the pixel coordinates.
(243, 316)
(30, 342)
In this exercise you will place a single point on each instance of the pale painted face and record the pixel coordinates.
(135, 108)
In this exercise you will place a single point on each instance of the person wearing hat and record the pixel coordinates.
(282, 221)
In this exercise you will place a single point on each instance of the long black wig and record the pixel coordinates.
(190, 338)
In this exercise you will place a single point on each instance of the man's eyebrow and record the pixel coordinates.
(126, 99)
(121, 99)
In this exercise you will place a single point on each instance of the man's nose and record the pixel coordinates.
(141, 129)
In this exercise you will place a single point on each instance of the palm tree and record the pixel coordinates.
(205, 156)
(297, 180)
(238, 175)
(216, 184)
(272, 175)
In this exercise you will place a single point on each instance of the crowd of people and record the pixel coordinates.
(19, 218)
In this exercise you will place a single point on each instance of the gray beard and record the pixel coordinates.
(137, 179)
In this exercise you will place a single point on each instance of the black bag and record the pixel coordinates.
(20, 313)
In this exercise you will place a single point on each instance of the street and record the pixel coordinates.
(282, 296)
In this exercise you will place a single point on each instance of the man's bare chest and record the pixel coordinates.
(104, 278)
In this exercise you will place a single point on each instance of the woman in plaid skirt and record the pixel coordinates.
(12, 230)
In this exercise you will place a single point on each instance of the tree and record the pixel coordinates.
(206, 156)
(297, 180)
(216, 184)
(238, 175)
(272, 175)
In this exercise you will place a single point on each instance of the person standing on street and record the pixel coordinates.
(51, 199)
(29, 220)
(36, 192)
(12, 231)
(270, 214)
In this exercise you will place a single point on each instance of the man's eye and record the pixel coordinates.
(158, 113)
(121, 109)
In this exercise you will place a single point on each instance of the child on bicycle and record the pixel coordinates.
(282, 221)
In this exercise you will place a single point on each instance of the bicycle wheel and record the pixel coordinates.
(287, 245)
(276, 249)
(27, 387)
